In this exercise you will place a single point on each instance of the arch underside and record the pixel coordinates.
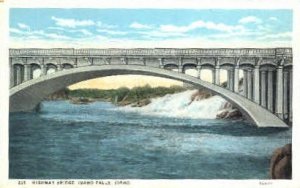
(27, 95)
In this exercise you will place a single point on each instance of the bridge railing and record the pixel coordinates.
(156, 51)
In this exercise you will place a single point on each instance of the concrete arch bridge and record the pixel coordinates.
(267, 75)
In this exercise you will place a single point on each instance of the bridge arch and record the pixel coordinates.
(36, 70)
(51, 68)
(171, 66)
(67, 66)
(27, 95)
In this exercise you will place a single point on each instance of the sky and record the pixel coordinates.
(104, 28)
(148, 28)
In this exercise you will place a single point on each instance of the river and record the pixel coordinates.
(102, 141)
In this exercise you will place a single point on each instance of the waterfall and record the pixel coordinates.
(180, 105)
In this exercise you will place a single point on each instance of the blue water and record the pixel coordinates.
(99, 141)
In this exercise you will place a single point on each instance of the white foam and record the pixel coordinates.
(179, 105)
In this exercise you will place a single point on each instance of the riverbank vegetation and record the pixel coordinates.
(137, 96)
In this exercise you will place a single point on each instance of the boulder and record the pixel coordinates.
(234, 113)
(281, 163)
(222, 114)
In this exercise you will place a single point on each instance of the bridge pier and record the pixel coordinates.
(230, 79)
(256, 85)
(279, 91)
(27, 72)
(180, 69)
(285, 94)
(19, 75)
(245, 83)
(217, 75)
(236, 78)
(12, 75)
(43, 70)
(250, 84)
(270, 91)
(199, 71)
(291, 97)
(59, 67)
(263, 89)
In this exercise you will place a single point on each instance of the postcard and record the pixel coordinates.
(143, 94)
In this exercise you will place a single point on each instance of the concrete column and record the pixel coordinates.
(228, 79)
(291, 97)
(236, 79)
(231, 80)
(11, 71)
(250, 84)
(256, 85)
(43, 70)
(18, 75)
(27, 72)
(59, 67)
(245, 83)
(91, 60)
(180, 67)
(285, 94)
(270, 91)
(213, 76)
(199, 71)
(143, 60)
(161, 63)
(263, 89)
(217, 75)
(279, 92)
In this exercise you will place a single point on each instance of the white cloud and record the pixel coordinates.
(72, 23)
(85, 32)
(112, 32)
(23, 26)
(105, 26)
(37, 34)
(250, 19)
(201, 24)
(276, 36)
(273, 18)
(154, 33)
(55, 36)
(136, 25)
(16, 31)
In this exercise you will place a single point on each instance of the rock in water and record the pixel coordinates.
(281, 163)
